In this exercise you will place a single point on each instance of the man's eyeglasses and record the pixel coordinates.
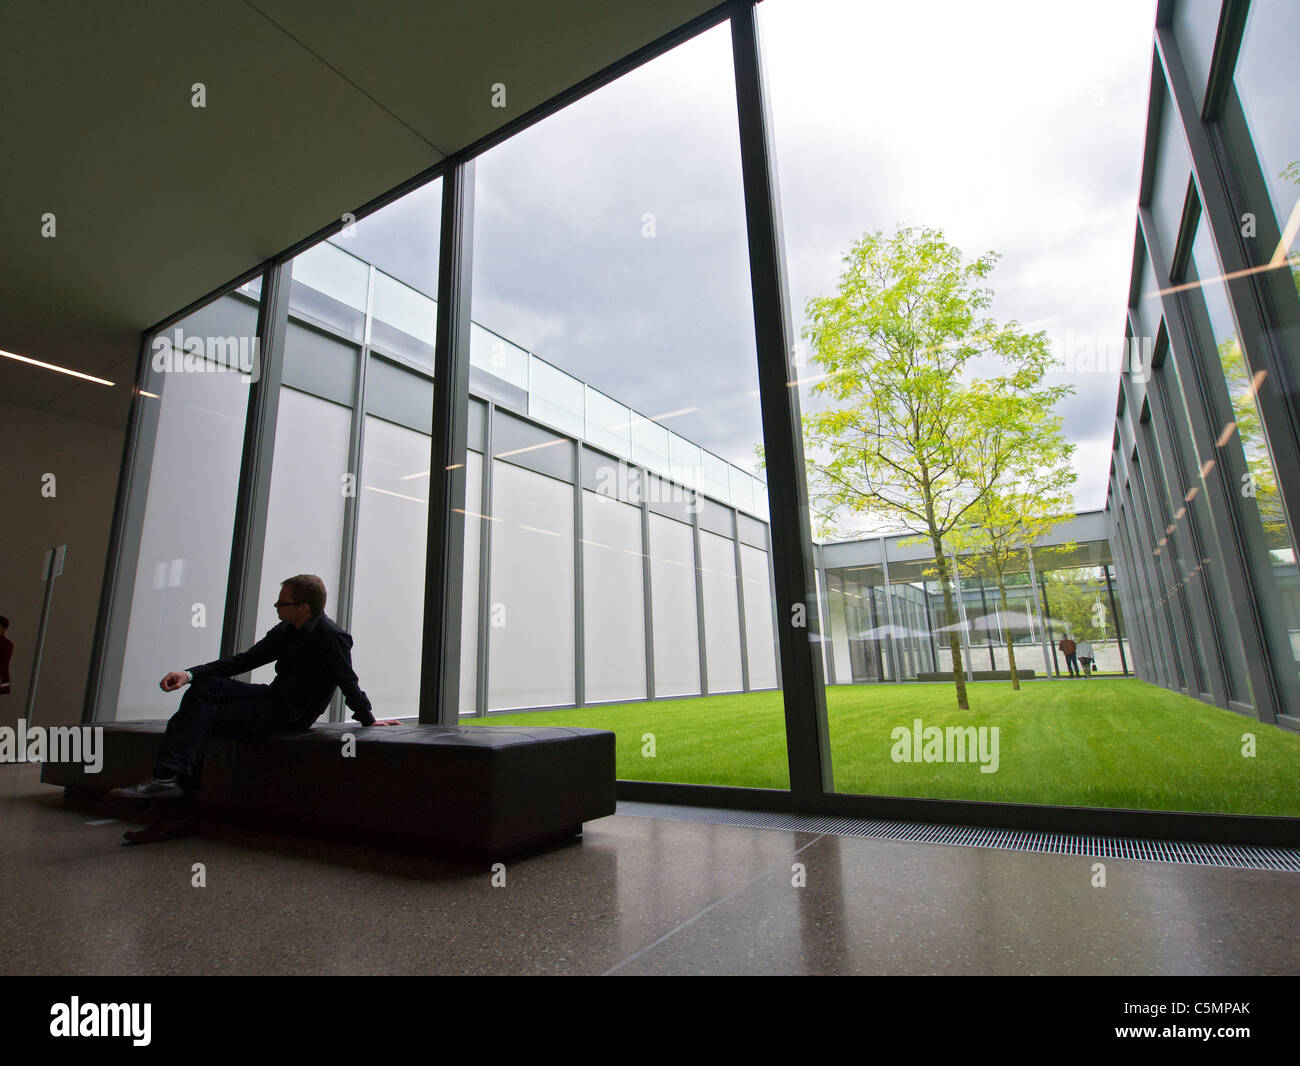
(281, 603)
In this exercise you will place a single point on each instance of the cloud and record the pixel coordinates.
(1014, 128)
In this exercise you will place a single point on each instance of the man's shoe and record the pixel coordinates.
(154, 788)
(162, 829)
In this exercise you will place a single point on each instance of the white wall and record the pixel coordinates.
(84, 458)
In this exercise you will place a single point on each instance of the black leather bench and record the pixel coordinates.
(490, 791)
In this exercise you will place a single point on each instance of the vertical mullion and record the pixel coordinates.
(1119, 636)
(891, 643)
(239, 628)
(579, 603)
(807, 734)
(824, 614)
(700, 634)
(740, 600)
(484, 568)
(444, 569)
(352, 502)
(647, 583)
(1044, 629)
(1127, 592)
(993, 663)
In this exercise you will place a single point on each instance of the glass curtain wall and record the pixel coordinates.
(1241, 430)
(618, 567)
(349, 489)
(628, 582)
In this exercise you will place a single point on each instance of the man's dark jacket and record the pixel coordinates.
(309, 663)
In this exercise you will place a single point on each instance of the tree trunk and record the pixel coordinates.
(954, 637)
(1006, 635)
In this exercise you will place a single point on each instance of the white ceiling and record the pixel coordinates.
(313, 108)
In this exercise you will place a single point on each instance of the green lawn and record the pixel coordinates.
(1087, 742)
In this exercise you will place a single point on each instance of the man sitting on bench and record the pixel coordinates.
(312, 657)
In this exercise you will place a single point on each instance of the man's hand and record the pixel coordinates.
(386, 721)
(174, 680)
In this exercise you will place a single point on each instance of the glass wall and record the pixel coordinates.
(1242, 434)
(1266, 79)
(629, 578)
(182, 566)
(618, 570)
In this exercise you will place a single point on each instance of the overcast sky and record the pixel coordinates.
(610, 238)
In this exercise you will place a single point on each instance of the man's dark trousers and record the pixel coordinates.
(218, 707)
(1072, 663)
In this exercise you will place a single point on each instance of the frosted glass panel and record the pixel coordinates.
(839, 636)
(760, 641)
(499, 357)
(469, 591)
(609, 424)
(672, 595)
(649, 444)
(179, 599)
(716, 478)
(388, 608)
(333, 272)
(406, 309)
(721, 613)
(532, 640)
(304, 526)
(742, 490)
(686, 461)
(556, 398)
(614, 609)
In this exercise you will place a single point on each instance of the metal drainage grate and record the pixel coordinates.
(1226, 855)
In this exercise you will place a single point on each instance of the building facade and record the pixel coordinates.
(1204, 489)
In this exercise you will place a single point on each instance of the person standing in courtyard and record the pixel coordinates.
(1068, 649)
(312, 657)
(1085, 657)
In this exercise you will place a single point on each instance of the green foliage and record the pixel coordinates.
(939, 419)
(933, 403)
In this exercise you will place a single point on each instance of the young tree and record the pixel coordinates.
(1019, 462)
(901, 342)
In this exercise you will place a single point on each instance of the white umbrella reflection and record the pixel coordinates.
(999, 621)
(889, 631)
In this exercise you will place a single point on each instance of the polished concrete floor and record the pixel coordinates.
(635, 895)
